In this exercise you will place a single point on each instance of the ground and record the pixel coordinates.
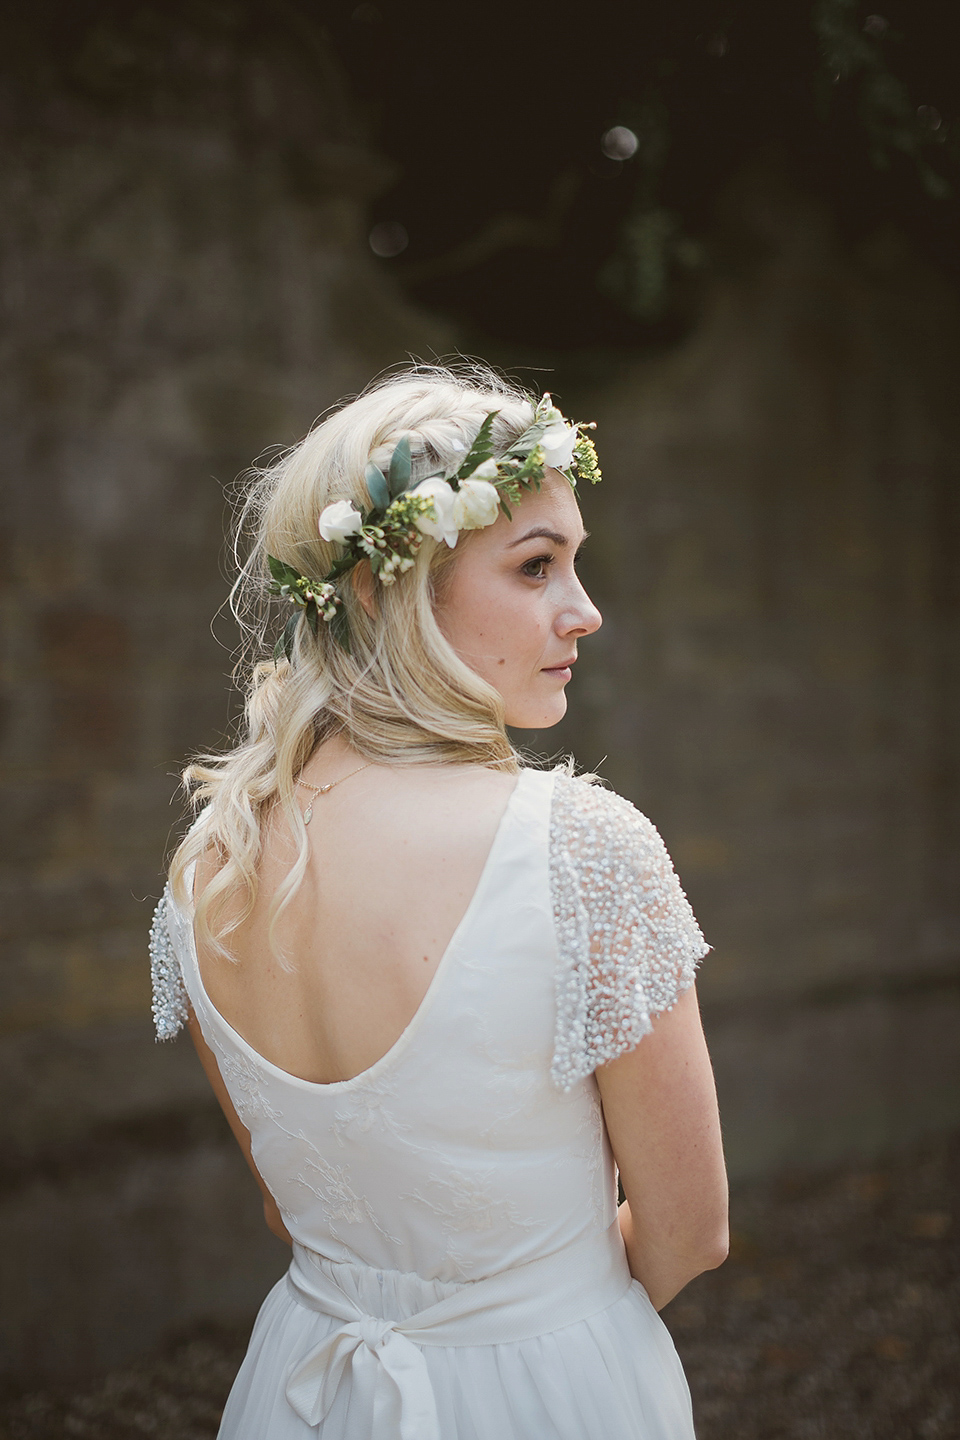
(835, 1318)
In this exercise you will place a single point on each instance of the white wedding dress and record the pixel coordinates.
(458, 1272)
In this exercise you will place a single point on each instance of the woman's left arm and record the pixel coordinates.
(208, 1060)
(660, 1107)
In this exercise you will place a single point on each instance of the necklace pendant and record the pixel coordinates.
(308, 814)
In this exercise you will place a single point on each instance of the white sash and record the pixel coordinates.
(390, 1383)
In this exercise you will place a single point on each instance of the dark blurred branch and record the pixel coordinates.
(503, 232)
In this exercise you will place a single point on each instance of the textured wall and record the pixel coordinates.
(777, 683)
(185, 281)
(180, 290)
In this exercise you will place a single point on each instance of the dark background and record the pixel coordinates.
(759, 306)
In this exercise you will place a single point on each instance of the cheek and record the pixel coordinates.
(510, 616)
(467, 612)
(491, 627)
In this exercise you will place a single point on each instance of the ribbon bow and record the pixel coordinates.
(390, 1385)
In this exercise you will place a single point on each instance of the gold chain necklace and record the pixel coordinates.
(325, 789)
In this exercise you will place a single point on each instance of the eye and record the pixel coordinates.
(537, 569)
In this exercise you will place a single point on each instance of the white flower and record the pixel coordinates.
(477, 502)
(441, 525)
(558, 445)
(486, 471)
(339, 521)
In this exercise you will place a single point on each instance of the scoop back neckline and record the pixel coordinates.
(416, 1019)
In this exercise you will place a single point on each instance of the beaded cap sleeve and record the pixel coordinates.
(171, 1005)
(627, 937)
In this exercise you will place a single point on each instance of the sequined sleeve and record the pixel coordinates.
(170, 1003)
(627, 938)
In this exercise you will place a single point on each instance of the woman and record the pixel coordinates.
(440, 996)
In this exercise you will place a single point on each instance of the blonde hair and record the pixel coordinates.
(401, 694)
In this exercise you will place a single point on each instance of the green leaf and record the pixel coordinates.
(284, 645)
(529, 440)
(340, 625)
(313, 616)
(480, 450)
(398, 478)
(377, 486)
(505, 508)
(340, 567)
(290, 634)
(282, 573)
(531, 471)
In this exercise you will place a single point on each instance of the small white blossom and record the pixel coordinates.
(558, 445)
(486, 471)
(477, 502)
(339, 521)
(440, 525)
(547, 413)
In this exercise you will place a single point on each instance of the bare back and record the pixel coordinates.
(395, 855)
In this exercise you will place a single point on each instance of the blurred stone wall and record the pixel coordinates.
(777, 547)
(185, 282)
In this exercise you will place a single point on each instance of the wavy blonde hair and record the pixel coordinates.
(401, 694)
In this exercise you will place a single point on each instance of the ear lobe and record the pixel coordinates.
(361, 578)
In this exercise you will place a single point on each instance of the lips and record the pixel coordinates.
(563, 665)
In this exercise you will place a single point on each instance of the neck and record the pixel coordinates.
(334, 756)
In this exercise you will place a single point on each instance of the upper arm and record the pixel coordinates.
(660, 1108)
(212, 1071)
(627, 1010)
(172, 1010)
(241, 1134)
(627, 939)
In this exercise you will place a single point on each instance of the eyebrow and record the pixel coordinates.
(543, 532)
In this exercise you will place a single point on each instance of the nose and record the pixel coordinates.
(580, 616)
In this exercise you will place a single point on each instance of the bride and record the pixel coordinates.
(442, 998)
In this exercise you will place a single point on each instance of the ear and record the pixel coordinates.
(361, 577)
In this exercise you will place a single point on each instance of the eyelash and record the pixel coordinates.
(540, 562)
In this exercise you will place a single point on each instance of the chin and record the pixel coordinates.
(543, 719)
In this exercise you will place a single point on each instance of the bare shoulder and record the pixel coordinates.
(449, 804)
(475, 782)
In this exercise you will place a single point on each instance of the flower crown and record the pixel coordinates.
(390, 533)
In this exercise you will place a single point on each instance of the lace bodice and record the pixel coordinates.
(478, 1139)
